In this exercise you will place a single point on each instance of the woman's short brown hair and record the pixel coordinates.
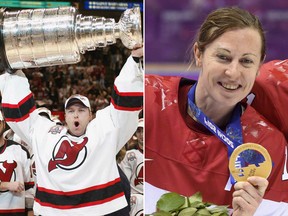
(226, 19)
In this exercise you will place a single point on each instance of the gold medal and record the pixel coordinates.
(250, 159)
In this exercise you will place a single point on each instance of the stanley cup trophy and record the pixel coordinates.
(57, 36)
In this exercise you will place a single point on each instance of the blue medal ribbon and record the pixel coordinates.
(233, 136)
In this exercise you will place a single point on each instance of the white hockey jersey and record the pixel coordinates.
(136, 203)
(132, 166)
(14, 167)
(76, 175)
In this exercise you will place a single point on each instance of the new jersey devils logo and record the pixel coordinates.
(8, 173)
(139, 174)
(67, 154)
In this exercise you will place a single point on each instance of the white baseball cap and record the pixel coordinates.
(77, 98)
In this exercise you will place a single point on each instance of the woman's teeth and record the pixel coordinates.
(229, 86)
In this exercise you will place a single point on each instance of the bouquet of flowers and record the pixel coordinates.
(174, 204)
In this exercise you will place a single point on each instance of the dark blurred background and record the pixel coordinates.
(171, 26)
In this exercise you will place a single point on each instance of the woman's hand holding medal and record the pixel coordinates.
(248, 195)
(250, 165)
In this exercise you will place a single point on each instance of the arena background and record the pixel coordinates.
(171, 26)
(93, 76)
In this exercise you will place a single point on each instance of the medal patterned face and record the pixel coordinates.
(250, 159)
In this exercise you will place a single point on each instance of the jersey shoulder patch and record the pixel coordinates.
(56, 129)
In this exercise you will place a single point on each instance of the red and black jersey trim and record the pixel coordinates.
(28, 185)
(130, 101)
(81, 198)
(13, 212)
(19, 112)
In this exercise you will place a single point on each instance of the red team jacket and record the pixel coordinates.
(183, 156)
(270, 94)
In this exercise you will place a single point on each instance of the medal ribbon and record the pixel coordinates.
(233, 136)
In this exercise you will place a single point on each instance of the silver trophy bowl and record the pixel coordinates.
(57, 36)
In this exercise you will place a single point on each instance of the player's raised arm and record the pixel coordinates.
(128, 85)
(127, 96)
(17, 103)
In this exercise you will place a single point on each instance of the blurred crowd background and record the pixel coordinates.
(93, 77)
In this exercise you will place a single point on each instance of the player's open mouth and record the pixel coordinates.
(76, 124)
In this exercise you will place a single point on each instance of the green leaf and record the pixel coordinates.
(173, 204)
(170, 202)
(216, 209)
(195, 197)
(198, 205)
(187, 212)
(185, 205)
(220, 214)
(161, 213)
(203, 212)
